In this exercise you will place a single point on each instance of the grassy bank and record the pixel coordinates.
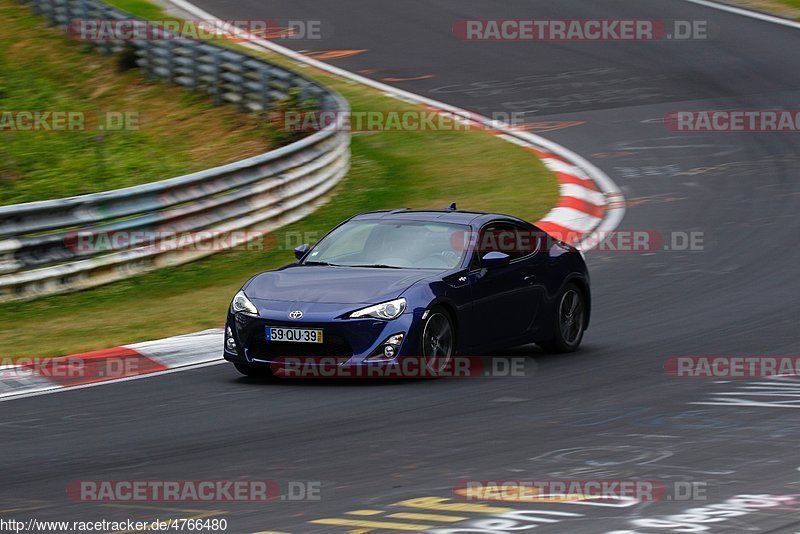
(175, 131)
(785, 8)
(390, 169)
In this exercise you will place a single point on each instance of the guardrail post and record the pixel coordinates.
(217, 84)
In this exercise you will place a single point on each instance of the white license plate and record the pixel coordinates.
(294, 335)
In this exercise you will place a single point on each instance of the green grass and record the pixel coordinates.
(141, 8)
(795, 7)
(781, 5)
(389, 170)
(785, 8)
(179, 132)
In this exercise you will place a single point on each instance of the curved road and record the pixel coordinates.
(607, 412)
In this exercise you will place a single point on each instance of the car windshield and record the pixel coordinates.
(392, 244)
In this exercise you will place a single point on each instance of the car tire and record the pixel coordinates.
(569, 321)
(254, 371)
(438, 340)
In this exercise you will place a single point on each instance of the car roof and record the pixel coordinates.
(452, 216)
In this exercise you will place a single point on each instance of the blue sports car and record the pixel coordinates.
(388, 285)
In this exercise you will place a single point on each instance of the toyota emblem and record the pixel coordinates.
(295, 314)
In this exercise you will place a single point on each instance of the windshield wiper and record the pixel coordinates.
(376, 266)
(324, 263)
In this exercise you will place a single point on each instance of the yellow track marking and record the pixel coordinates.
(440, 504)
(387, 525)
(428, 517)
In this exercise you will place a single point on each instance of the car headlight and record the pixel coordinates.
(387, 310)
(242, 304)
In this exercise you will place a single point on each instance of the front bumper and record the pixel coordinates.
(349, 341)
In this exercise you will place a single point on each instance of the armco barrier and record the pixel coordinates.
(257, 194)
(227, 75)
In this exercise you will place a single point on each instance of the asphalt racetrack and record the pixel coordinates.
(609, 411)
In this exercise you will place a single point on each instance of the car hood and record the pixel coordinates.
(333, 285)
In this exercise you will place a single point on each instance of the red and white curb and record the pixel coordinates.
(586, 207)
(583, 206)
(31, 377)
(590, 204)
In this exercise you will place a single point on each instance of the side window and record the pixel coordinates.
(528, 240)
(515, 240)
(495, 237)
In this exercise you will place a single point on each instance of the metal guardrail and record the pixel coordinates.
(38, 255)
(227, 75)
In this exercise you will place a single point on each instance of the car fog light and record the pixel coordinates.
(230, 343)
(388, 350)
(395, 340)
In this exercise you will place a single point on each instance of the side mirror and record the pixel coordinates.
(301, 251)
(493, 260)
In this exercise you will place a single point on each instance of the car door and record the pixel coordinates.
(506, 298)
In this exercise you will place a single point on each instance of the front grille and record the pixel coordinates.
(334, 346)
